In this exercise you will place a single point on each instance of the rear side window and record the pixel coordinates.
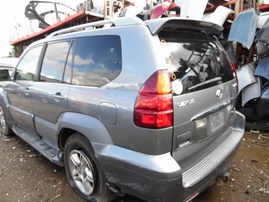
(196, 63)
(97, 60)
(54, 61)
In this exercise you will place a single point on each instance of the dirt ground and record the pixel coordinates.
(27, 176)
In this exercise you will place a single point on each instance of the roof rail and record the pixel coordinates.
(94, 25)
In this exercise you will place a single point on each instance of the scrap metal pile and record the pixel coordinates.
(250, 36)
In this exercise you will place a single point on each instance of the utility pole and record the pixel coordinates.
(238, 6)
(108, 11)
(255, 4)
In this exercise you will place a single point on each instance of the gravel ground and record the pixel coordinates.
(27, 176)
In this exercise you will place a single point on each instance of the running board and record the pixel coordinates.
(54, 155)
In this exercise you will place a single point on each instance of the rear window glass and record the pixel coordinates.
(195, 63)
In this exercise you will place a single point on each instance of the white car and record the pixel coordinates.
(8, 63)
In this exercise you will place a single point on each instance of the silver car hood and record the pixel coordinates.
(218, 16)
(263, 34)
(262, 69)
(245, 75)
(251, 91)
(192, 9)
(244, 28)
(262, 18)
(262, 49)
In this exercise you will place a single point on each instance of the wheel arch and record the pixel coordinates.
(5, 105)
(3, 97)
(88, 126)
(64, 134)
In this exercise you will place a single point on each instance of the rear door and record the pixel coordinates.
(50, 92)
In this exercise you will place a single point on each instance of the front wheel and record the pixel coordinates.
(82, 170)
(4, 128)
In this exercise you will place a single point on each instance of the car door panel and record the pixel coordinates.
(49, 94)
(18, 90)
(49, 102)
(20, 104)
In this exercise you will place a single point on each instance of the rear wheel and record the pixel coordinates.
(82, 170)
(4, 128)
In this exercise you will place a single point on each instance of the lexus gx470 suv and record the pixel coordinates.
(128, 107)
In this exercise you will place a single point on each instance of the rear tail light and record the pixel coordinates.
(154, 104)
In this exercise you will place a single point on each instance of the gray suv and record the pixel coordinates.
(128, 107)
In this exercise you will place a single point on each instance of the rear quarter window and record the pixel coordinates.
(196, 62)
(97, 61)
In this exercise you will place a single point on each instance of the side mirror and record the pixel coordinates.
(4, 75)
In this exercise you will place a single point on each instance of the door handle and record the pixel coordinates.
(58, 96)
(26, 91)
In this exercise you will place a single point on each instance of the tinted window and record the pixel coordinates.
(97, 60)
(27, 67)
(54, 62)
(196, 62)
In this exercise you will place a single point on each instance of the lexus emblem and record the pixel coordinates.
(219, 93)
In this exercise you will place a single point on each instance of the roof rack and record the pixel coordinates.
(98, 24)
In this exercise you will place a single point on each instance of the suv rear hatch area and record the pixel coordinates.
(204, 90)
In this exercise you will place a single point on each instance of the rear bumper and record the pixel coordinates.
(160, 178)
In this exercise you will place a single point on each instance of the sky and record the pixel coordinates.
(15, 25)
(8, 10)
(12, 14)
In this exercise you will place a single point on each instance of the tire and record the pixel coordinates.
(4, 127)
(83, 171)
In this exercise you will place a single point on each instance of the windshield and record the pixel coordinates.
(196, 64)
